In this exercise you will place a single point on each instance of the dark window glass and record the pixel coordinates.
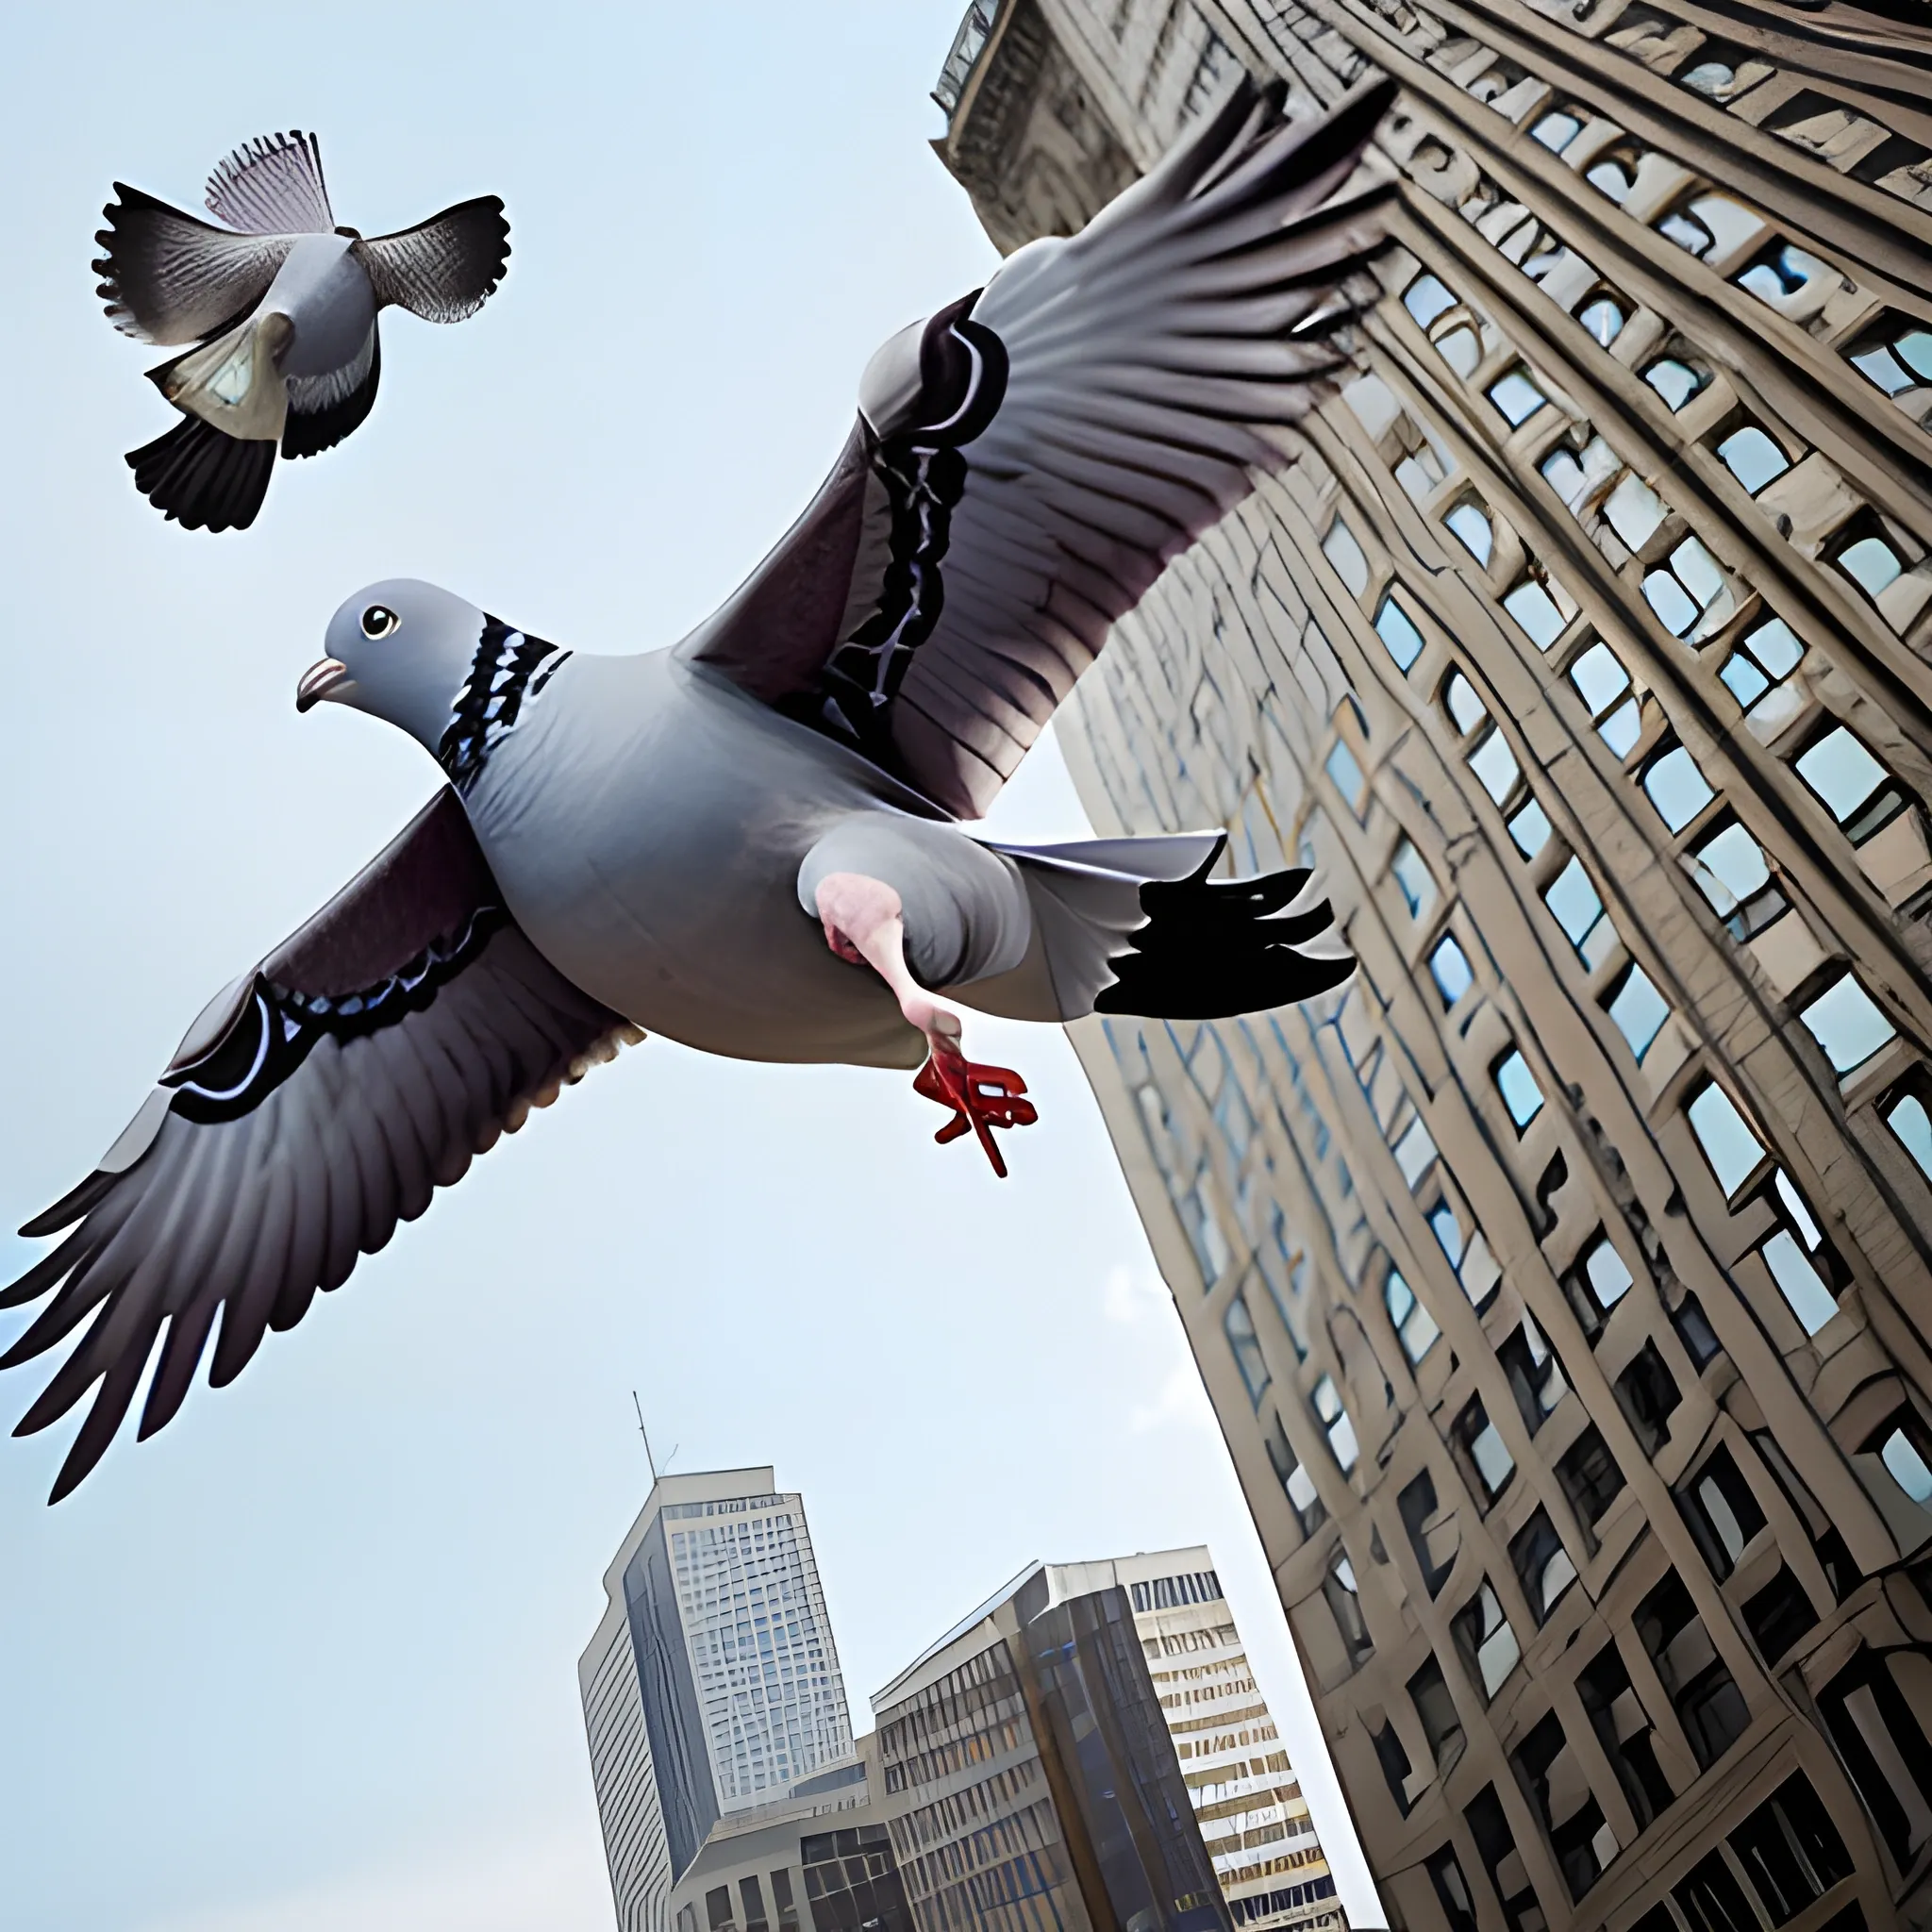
(1885, 1751)
(1573, 1837)
(1647, 1393)
(1536, 1376)
(1778, 1615)
(1416, 1504)
(1496, 1846)
(1722, 1511)
(1712, 1901)
(1542, 1564)
(1706, 1699)
(718, 1907)
(753, 1895)
(1789, 1850)
(1625, 1731)
(1428, 1690)
(1396, 1765)
(1452, 1890)
(781, 1896)
(1695, 1332)
(1590, 1477)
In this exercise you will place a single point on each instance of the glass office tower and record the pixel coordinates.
(713, 1685)
(1562, 1282)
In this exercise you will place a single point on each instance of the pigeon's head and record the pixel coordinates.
(401, 651)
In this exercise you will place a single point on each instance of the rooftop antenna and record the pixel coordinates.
(646, 1434)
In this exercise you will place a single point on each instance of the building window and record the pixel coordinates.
(1471, 528)
(1675, 787)
(1847, 1024)
(1733, 1152)
(1495, 765)
(1428, 1690)
(1603, 318)
(1597, 1282)
(1709, 226)
(1852, 785)
(1340, 547)
(1394, 1762)
(1542, 1564)
(1895, 354)
(1326, 1403)
(1907, 1117)
(717, 1914)
(1556, 129)
(1638, 1010)
(1569, 1814)
(1886, 1752)
(1906, 1449)
(1519, 1088)
(1604, 686)
(782, 1898)
(1802, 1266)
(1238, 1326)
(1412, 876)
(1397, 630)
(1467, 711)
(1414, 1326)
(1702, 1691)
(1542, 607)
(1712, 1900)
(1575, 906)
(1731, 871)
(753, 1896)
(1347, 773)
(1434, 1541)
(1634, 510)
(1647, 1393)
(1450, 969)
(1695, 1332)
(1590, 1479)
(1535, 1375)
(1485, 1641)
(1778, 1615)
(1452, 1890)
(1296, 1483)
(1529, 828)
(1791, 1851)
(1517, 396)
(1753, 457)
(1789, 278)
(1763, 661)
(1484, 1451)
(1722, 1511)
(1345, 1606)
(1496, 1846)
(1677, 379)
(1426, 299)
(1630, 1740)
(1689, 593)
(1870, 561)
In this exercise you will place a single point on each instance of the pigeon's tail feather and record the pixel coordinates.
(1212, 949)
(202, 479)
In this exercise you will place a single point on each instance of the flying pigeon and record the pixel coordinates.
(281, 307)
(751, 842)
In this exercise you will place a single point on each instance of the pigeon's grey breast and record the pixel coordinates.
(324, 290)
(647, 822)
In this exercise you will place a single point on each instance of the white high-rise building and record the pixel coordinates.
(712, 1684)
(1249, 1804)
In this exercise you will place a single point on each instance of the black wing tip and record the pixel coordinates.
(67, 1210)
(202, 479)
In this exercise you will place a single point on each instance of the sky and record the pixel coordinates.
(307, 1659)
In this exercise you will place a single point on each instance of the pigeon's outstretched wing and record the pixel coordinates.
(273, 185)
(445, 267)
(317, 1102)
(1028, 461)
(169, 277)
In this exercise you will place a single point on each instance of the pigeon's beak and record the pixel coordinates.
(323, 680)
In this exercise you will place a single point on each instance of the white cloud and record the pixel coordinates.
(552, 1882)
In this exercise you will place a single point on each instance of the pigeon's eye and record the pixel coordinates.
(379, 621)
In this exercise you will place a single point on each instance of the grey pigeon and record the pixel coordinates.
(750, 841)
(281, 305)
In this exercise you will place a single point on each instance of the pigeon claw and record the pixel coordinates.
(981, 1097)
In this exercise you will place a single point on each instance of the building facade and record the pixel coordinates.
(712, 1684)
(1253, 1820)
(1027, 1775)
(1563, 1283)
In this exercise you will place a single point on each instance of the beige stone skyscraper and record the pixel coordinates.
(1563, 1283)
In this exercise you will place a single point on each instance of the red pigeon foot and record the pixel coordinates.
(981, 1098)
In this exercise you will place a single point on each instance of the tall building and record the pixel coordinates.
(713, 1685)
(1253, 1820)
(1563, 1283)
(1027, 1776)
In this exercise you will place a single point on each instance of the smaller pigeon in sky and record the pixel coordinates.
(751, 842)
(281, 307)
